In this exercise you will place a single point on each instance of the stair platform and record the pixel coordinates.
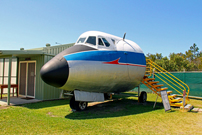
(187, 107)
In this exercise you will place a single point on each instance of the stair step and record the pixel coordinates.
(168, 92)
(172, 96)
(153, 82)
(176, 104)
(149, 79)
(175, 100)
(158, 85)
(160, 89)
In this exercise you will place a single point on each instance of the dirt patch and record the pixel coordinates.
(108, 106)
(51, 114)
(197, 110)
(99, 103)
(4, 107)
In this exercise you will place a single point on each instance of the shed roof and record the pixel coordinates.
(19, 53)
(30, 52)
(56, 46)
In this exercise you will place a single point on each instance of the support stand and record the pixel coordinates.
(138, 93)
(155, 102)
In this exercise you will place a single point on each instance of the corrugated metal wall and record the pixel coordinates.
(44, 91)
(53, 50)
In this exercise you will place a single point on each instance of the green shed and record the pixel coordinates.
(25, 70)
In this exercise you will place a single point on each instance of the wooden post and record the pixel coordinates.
(9, 80)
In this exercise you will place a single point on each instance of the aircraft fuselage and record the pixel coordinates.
(98, 62)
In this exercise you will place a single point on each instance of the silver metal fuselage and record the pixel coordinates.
(98, 77)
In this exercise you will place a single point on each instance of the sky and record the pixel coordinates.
(157, 26)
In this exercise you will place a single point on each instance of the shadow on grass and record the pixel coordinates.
(121, 105)
(59, 102)
(45, 104)
(114, 108)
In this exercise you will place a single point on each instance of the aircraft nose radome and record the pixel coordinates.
(55, 72)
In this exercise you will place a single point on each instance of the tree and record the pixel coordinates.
(172, 56)
(159, 56)
(195, 50)
(190, 61)
(189, 55)
(151, 56)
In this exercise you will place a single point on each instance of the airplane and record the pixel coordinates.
(95, 66)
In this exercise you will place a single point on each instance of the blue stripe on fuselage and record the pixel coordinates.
(107, 56)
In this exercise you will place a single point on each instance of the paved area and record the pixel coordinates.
(197, 110)
(17, 101)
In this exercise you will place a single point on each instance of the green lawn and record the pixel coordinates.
(124, 115)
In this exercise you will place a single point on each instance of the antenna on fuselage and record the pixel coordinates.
(124, 36)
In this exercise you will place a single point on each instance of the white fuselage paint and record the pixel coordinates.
(95, 76)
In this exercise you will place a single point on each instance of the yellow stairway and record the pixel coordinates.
(153, 72)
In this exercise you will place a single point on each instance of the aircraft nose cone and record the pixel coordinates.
(55, 72)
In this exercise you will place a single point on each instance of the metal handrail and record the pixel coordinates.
(168, 77)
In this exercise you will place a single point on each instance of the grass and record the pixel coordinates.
(124, 115)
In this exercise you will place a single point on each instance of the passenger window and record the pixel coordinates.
(100, 42)
(91, 40)
(81, 40)
(106, 42)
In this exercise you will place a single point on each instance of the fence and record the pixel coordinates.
(192, 79)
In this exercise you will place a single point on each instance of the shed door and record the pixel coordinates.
(31, 79)
(27, 79)
(22, 79)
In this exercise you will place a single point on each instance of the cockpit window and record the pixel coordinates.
(113, 41)
(106, 42)
(81, 40)
(100, 42)
(91, 40)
